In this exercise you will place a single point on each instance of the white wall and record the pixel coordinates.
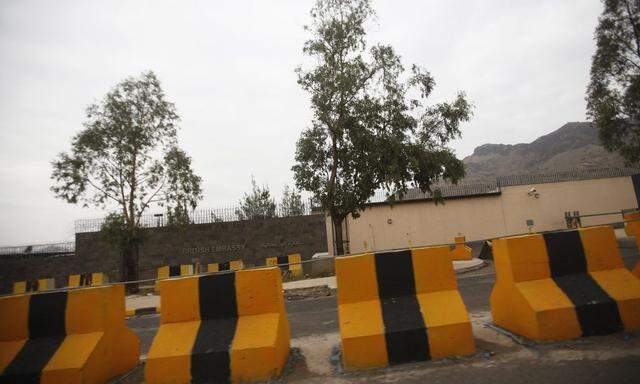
(419, 223)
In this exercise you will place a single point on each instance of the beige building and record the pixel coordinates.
(508, 206)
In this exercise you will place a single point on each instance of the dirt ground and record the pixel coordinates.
(499, 359)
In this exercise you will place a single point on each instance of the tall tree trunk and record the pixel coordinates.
(337, 231)
(130, 261)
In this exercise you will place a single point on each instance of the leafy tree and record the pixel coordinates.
(258, 204)
(370, 127)
(127, 156)
(113, 230)
(178, 217)
(613, 95)
(291, 204)
(216, 219)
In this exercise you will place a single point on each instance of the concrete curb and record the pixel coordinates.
(142, 311)
(478, 265)
(309, 284)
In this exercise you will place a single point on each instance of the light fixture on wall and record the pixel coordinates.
(533, 193)
(159, 221)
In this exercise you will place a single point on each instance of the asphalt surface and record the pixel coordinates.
(500, 358)
(320, 316)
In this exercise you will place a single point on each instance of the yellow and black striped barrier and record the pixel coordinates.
(486, 252)
(294, 268)
(220, 327)
(174, 271)
(88, 279)
(39, 285)
(633, 229)
(77, 336)
(632, 223)
(398, 307)
(233, 265)
(461, 250)
(563, 285)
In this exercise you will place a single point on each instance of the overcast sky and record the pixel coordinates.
(229, 68)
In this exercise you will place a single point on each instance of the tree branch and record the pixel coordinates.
(633, 27)
(363, 83)
(108, 172)
(103, 191)
(149, 200)
(132, 186)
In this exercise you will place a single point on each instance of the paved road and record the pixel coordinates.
(319, 316)
(314, 328)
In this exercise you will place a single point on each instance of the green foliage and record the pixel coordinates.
(258, 204)
(371, 128)
(113, 230)
(613, 94)
(127, 155)
(291, 204)
(178, 217)
(216, 219)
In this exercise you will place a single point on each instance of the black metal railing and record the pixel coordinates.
(199, 216)
(572, 175)
(39, 249)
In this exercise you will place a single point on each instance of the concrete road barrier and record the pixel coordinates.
(631, 224)
(174, 271)
(233, 265)
(294, 270)
(564, 285)
(401, 306)
(66, 337)
(486, 252)
(221, 327)
(634, 230)
(461, 251)
(87, 279)
(39, 285)
(322, 265)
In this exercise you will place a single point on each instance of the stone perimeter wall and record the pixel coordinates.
(252, 241)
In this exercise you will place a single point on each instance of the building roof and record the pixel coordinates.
(446, 191)
(37, 250)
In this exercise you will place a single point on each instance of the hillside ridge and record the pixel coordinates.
(575, 145)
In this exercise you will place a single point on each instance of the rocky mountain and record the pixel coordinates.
(573, 146)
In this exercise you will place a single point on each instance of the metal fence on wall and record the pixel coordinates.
(233, 212)
(562, 176)
(39, 249)
(199, 216)
(444, 190)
